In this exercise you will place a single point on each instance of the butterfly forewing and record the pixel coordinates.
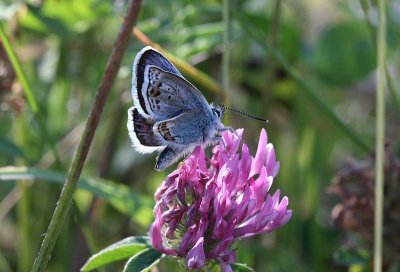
(166, 95)
(159, 90)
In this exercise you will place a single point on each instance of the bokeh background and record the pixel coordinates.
(307, 66)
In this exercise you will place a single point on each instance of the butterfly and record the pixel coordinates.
(169, 115)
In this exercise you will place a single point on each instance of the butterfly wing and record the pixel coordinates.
(159, 90)
(169, 155)
(144, 140)
(169, 113)
(174, 137)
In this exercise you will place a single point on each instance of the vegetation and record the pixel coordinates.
(309, 67)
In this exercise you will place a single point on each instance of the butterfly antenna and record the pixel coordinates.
(245, 114)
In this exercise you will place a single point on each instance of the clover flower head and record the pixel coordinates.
(207, 204)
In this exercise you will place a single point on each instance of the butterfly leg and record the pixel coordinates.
(220, 140)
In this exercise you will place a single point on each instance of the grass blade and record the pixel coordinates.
(380, 137)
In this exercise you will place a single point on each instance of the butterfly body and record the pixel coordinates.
(169, 115)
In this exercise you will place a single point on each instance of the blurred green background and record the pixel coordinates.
(322, 67)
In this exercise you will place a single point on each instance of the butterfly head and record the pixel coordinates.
(217, 111)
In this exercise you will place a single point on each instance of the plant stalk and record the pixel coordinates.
(78, 161)
(380, 136)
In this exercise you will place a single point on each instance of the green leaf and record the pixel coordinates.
(143, 261)
(239, 267)
(344, 54)
(9, 148)
(64, 17)
(118, 251)
(118, 195)
(351, 256)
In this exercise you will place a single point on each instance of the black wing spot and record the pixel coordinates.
(154, 92)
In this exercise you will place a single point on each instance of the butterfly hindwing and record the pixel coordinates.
(142, 134)
(184, 129)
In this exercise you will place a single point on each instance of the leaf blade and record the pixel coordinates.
(117, 251)
(143, 261)
(118, 195)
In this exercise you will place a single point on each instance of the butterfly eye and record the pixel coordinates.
(216, 112)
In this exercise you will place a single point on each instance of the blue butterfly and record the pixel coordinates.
(169, 115)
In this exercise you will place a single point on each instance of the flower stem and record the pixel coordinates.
(78, 161)
(393, 91)
(380, 135)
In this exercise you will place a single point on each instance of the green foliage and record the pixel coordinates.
(348, 257)
(123, 249)
(344, 53)
(238, 267)
(315, 86)
(118, 195)
(143, 261)
(10, 148)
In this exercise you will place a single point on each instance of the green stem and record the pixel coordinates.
(78, 161)
(380, 136)
(28, 91)
(18, 70)
(394, 92)
(24, 243)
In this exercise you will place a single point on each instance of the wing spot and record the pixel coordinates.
(169, 97)
(154, 92)
(157, 101)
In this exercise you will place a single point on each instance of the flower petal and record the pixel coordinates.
(196, 258)
(156, 235)
(261, 154)
(208, 203)
(225, 267)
